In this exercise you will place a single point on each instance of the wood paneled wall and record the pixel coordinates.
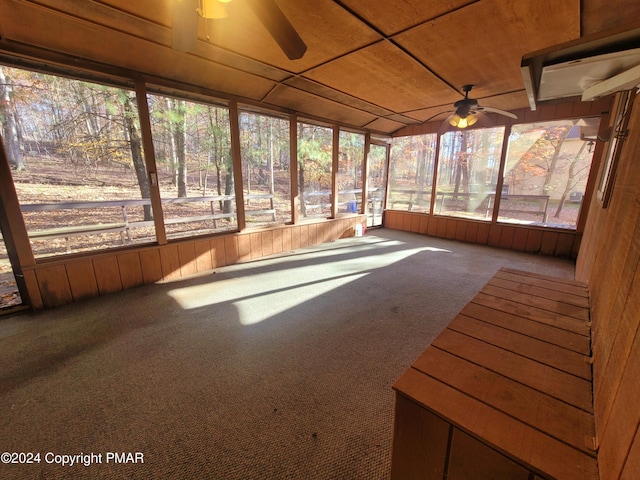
(72, 279)
(512, 237)
(609, 261)
(544, 113)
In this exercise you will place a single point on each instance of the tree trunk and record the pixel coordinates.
(10, 131)
(178, 125)
(421, 173)
(301, 184)
(182, 163)
(271, 146)
(57, 131)
(461, 165)
(228, 185)
(554, 159)
(172, 140)
(135, 142)
(270, 163)
(219, 184)
(216, 150)
(301, 188)
(570, 183)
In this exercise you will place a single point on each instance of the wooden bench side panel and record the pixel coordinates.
(469, 459)
(538, 451)
(414, 428)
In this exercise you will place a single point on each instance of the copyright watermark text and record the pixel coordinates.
(70, 460)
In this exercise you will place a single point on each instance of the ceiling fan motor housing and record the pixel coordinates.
(463, 107)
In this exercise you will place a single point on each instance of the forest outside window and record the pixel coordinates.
(314, 169)
(411, 173)
(546, 172)
(468, 169)
(192, 144)
(265, 151)
(350, 173)
(76, 152)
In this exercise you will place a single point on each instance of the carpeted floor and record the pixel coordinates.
(275, 369)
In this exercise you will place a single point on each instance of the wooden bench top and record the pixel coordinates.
(97, 228)
(513, 370)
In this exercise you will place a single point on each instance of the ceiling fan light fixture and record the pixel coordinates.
(463, 122)
(212, 9)
(467, 112)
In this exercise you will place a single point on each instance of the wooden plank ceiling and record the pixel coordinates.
(377, 65)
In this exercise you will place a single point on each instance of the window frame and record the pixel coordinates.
(618, 132)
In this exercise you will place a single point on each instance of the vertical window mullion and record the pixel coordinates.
(236, 159)
(150, 160)
(335, 154)
(500, 182)
(293, 168)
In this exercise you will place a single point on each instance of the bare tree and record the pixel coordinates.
(574, 176)
(555, 137)
(135, 141)
(10, 124)
(177, 120)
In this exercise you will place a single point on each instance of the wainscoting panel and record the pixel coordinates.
(62, 280)
(522, 238)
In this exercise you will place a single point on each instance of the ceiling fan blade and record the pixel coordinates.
(498, 111)
(437, 115)
(483, 119)
(185, 25)
(279, 27)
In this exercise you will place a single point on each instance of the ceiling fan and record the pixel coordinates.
(467, 111)
(186, 14)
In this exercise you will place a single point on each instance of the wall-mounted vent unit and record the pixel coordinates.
(588, 68)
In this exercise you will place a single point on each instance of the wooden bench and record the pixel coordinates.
(249, 212)
(125, 227)
(313, 201)
(534, 205)
(409, 197)
(74, 231)
(505, 391)
(521, 205)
